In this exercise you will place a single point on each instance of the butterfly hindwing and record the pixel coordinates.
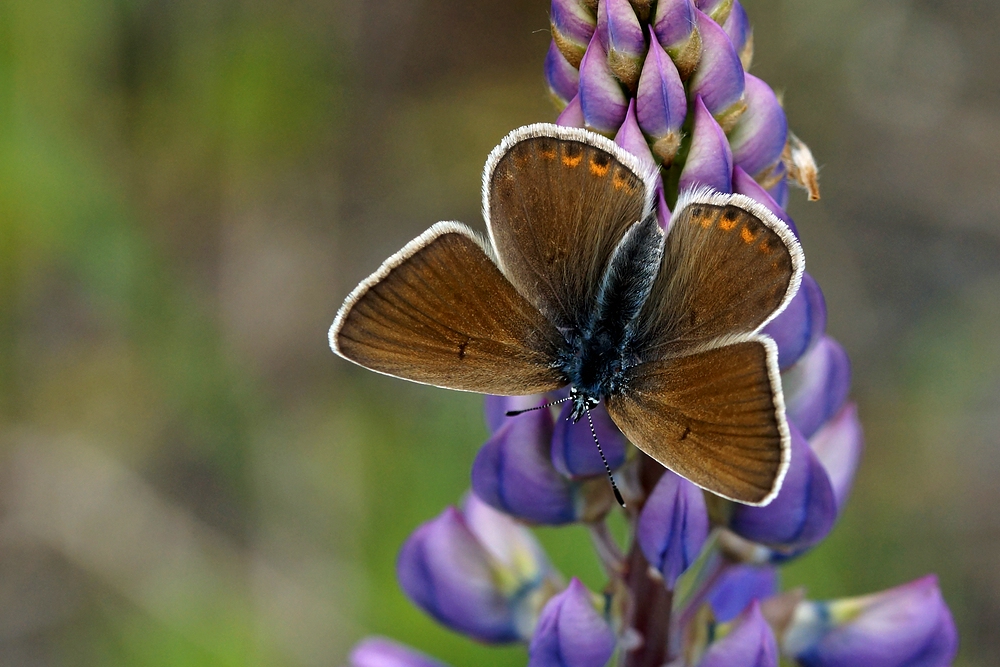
(728, 268)
(715, 417)
(440, 312)
(557, 201)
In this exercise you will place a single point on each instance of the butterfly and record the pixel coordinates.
(578, 285)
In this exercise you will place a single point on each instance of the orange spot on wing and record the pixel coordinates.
(746, 235)
(549, 154)
(726, 224)
(765, 247)
(619, 183)
(572, 160)
(599, 169)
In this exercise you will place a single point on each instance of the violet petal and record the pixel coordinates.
(803, 512)
(574, 453)
(562, 77)
(739, 586)
(673, 526)
(906, 626)
(750, 643)
(514, 474)
(602, 99)
(709, 161)
(800, 325)
(816, 386)
(838, 446)
(570, 632)
(630, 138)
(760, 133)
(719, 76)
(381, 652)
(661, 105)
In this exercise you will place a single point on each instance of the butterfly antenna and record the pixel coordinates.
(514, 413)
(614, 487)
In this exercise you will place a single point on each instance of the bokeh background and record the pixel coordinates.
(189, 188)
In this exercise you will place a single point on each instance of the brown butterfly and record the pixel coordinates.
(579, 286)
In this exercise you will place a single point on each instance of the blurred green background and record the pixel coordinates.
(188, 189)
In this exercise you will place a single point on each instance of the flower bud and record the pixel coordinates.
(749, 643)
(675, 28)
(838, 446)
(660, 104)
(800, 325)
(709, 161)
(903, 626)
(572, 115)
(514, 474)
(737, 26)
(740, 585)
(571, 632)
(673, 526)
(458, 578)
(631, 138)
(573, 24)
(380, 652)
(719, 78)
(602, 99)
(803, 512)
(574, 453)
(662, 210)
(562, 77)
(718, 10)
(816, 386)
(622, 38)
(759, 136)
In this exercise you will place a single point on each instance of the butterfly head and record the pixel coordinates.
(582, 402)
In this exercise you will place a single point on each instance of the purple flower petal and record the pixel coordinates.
(800, 325)
(622, 38)
(570, 632)
(511, 546)
(673, 526)
(759, 136)
(562, 77)
(572, 115)
(662, 210)
(709, 161)
(816, 386)
(745, 185)
(574, 453)
(448, 573)
(381, 652)
(838, 446)
(779, 191)
(906, 626)
(737, 26)
(630, 137)
(749, 644)
(496, 408)
(739, 586)
(602, 99)
(803, 512)
(661, 105)
(719, 76)
(718, 10)
(673, 22)
(573, 25)
(513, 472)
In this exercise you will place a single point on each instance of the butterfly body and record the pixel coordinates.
(578, 285)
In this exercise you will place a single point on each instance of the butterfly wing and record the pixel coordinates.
(440, 312)
(557, 201)
(715, 417)
(728, 268)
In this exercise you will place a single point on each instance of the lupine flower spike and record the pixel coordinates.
(697, 583)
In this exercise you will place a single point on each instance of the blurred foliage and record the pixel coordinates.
(188, 189)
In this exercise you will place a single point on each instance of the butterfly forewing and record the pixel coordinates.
(440, 312)
(557, 202)
(729, 266)
(715, 417)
